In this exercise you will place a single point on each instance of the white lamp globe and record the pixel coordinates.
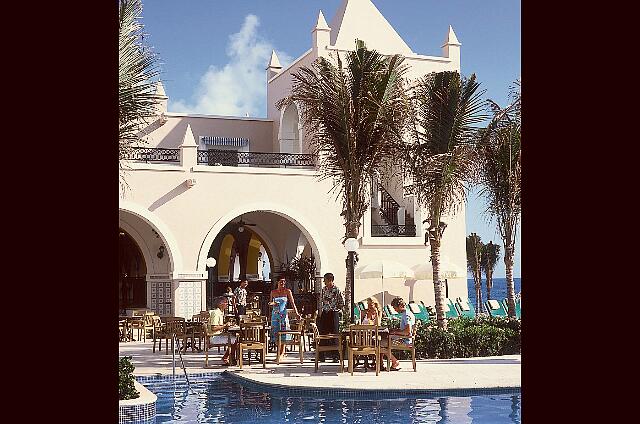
(351, 244)
(211, 262)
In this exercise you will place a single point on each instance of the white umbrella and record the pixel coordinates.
(424, 270)
(383, 268)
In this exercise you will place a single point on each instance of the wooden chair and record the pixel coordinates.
(317, 337)
(137, 322)
(159, 332)
(308, 334)
(252, 336)
(174, 326)
(297, 334)
(363, 340)
(396, 345)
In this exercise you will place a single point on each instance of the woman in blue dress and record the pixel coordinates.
(279, 318)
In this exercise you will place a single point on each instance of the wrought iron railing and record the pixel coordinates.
(393, 230)
(153, 154)
(388, 207)
(258, 159)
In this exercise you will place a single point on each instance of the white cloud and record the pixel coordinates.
(240, 86)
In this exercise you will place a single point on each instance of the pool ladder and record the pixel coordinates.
(176, 344)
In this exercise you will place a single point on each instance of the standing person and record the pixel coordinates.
(240, 299)
(217, 327)
(279, 318)
(407, 322)
(331, 304)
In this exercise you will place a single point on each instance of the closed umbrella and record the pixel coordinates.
(383, 268)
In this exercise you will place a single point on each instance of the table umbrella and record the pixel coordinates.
(383, 268)
(424, 270)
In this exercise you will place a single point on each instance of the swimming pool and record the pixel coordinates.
(218, 399)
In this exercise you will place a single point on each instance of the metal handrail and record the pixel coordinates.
(389, 207)
(153, 154)
(393, 230)
(258, 159)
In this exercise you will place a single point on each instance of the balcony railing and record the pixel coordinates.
(149, 154)
(393, 230)
(258, 159)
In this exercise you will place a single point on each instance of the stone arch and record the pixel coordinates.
(290, 130)
(170, 243)
(296, 218)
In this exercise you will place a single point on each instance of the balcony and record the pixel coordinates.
(153, 154)
(393, 230)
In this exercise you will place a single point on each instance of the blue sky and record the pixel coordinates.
(213, 53)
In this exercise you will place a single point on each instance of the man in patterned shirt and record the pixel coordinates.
(240, 298)
(332, 303)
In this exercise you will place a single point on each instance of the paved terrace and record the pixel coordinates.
(432, 374)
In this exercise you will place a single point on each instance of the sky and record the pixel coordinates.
(213, 54)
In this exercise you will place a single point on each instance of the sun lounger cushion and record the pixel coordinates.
(392, 310)
(493, 304)
(413, 307)
(464, 305)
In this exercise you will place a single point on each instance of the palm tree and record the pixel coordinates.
(441, 161)
(500, 176)
(357, 115)
(490, 257)
(475, 256)
(137, 66)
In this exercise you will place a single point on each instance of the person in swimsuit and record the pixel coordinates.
(279, 318)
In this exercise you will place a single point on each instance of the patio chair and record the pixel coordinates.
(390, 312)
(395, 344)
(317, 337)
(159, 332)
(175, 329)
(363, 340)
(464, 308)
(252, 336)
(419, 311)
(308, 334)
(297, 334)
(137, 322)
(495, 308)
(506, 307)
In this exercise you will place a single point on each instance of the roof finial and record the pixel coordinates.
(451, 40)
(274, 62)
(322, 22)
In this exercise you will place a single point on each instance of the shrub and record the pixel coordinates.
(126, 388)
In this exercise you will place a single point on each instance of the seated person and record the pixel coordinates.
(374, 312)
(216, 327)
(408, 320)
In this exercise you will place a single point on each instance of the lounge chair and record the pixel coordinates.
(506, 307)
(495, 308)
(464, 308)
(451, 312)
(419, 311)
(390, 312)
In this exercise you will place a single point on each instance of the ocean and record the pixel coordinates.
(498, 290)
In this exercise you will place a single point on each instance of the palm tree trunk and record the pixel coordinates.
(478, 294)
(437, 286)
(511, 296)
(489, 283)
(480, 289)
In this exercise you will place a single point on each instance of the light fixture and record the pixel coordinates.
(240, 229)
(190, 182)
(211, 262)
(161, 250)
(351, 244)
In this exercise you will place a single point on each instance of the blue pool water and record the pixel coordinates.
(218, 399)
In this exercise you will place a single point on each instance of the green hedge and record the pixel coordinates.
(469, 337)
(464, 338)
(126, 388)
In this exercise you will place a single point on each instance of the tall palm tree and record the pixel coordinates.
(490, 257)
(441, 161)
(357, 115)
(500, 176)
(137, 67)
(475, 256)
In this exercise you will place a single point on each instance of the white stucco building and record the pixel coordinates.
(198, 176)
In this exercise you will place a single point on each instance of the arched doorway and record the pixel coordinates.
(132, 271)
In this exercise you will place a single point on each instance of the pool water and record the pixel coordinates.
(218, 399)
